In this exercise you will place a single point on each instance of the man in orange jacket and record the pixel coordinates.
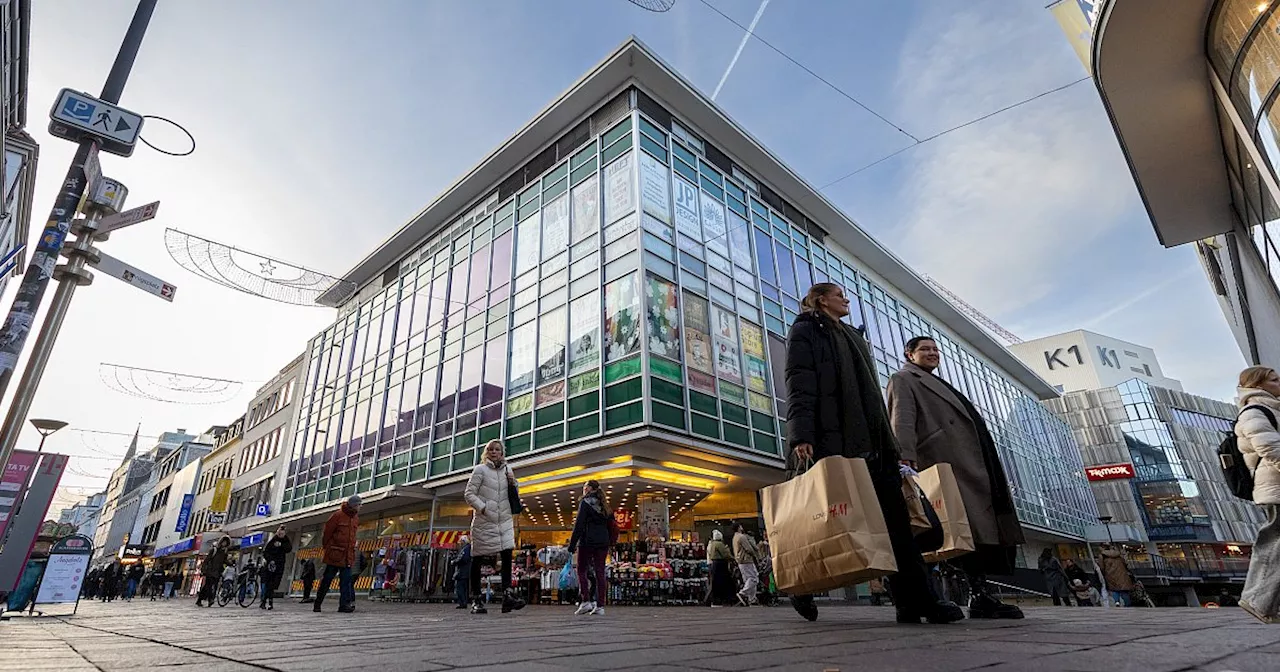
(340, 555)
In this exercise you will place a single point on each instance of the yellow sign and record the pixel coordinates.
(1077, 19)
(221, 496)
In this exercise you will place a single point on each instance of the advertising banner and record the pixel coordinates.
(24, 526)
(184, 514)
(1077, 19)
(1109, 472)
(12, 481)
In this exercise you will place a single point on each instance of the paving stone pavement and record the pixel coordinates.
(423, 638)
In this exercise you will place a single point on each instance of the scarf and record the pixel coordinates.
(865, 430)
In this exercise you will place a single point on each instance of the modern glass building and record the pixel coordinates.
(608, 293)
(1191, 87)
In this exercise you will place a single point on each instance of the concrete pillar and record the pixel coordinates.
(1193, 600)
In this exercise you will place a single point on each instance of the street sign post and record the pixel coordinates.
(78, 115)
(134, 276)
(128, 218)
(92, 170)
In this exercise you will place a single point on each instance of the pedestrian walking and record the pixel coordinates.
(493, 534)
(211, 570)
(462, 571)
(273, 554)
(156, 582)
(835, 408)
(935, 423)
(167, 580)
(133, 574)
(89, 590)
(111, 582)
(720, 587)
(591, 540)
(308, 578)
(339, 543)
(1259, 443)
(1055, 578)
(1119, 580)
(747, 555)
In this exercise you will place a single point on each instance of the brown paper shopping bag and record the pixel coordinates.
(939, 485)
(915, 506)
(825, 528)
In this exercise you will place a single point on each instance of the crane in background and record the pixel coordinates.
(973, 313)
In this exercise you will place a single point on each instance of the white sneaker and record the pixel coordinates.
(585, 608)
(598, 611)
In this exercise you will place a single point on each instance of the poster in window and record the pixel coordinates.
(551, 345)
(761, 403)
(752, 340)
(549, 394)
(523, 353)
(702, 382)
(686, 200)
(619, 189)
(586, 209)
(584, 332)
(757, 374)
(621, 317)
(697, 333)
(555, 227)
(739, 241)
(728, 361)
(724, 324)
(654, 197)
(664, 318)
(713, 226)
(527, 245)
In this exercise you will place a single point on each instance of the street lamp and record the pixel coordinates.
(1106, 595)
(46, 428)
(1106, 520)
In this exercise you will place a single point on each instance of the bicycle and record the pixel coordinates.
(244, 591)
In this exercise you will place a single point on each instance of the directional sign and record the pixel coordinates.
(76, 115)
(128, 217)
(134, 276)
(92, 170)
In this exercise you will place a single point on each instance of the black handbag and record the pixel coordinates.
(513, 498)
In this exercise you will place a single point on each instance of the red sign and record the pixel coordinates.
(1108, 472)
(624, 518)
(12, 482)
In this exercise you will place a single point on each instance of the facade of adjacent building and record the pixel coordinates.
(218, 465)
(1151, 456)
(1083, 360)
(608, 294)
(268, 431)
(1190, 87)
(117, 523)
(164, 490)
(20, 150)
(84, 515)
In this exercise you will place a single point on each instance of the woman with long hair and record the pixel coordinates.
(591, 538)
(1259, 441)
(493, 534)
(835, 408)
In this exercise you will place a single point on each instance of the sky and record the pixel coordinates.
(321, 130)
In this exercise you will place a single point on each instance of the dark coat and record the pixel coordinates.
(832, 404)
(340, 537)
(1054, 576)
(273, 553)
(214, 564)
(308, 570)
(591, 529)
(462, 563)
(933, 425)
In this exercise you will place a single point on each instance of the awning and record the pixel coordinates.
(183, 546)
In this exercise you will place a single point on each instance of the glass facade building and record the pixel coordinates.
(630, 277)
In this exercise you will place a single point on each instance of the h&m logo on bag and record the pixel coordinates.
(839, 509)
(939, 504)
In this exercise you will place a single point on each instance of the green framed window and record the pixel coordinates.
(622, 416)
(667, 415)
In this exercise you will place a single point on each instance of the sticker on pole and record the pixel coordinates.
(76, 115)
(135, 276)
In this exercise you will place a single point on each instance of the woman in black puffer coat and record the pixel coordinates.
(835, 408)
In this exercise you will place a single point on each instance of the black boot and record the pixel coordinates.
(478, 606)
(805, 606)
(983, 604)
(510, 602)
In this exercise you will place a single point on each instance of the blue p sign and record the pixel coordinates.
(78, 109)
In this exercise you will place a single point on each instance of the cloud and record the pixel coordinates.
(1023, 194)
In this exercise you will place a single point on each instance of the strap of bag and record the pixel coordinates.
(1271, 417)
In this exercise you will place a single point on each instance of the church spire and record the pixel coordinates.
(133, 445)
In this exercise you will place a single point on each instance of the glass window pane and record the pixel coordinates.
(523, 358)
(584, 332)
(622, 317)
(551, 345)
(619, 189)
(663, 318)
(555, 227)
(586, 209)
(713, 224)
(527, 235)
(1227, 33)
(469, 395)
(725, 333)
(495, 370)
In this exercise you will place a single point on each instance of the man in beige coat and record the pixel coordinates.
(934, 422)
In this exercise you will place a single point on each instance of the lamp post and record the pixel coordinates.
(46, 429)
(1106, 595)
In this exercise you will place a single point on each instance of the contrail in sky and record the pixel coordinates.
(741, 45)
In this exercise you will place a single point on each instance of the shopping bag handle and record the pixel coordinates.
(801, 467)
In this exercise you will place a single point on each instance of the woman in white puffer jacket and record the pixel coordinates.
(493, 534)
(1259, 441)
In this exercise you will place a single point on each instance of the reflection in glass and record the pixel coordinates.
(524, 346)
(586, 209)
(551, 345)
(584, 332)
(622, 317)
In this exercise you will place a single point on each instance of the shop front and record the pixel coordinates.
(180, 557)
